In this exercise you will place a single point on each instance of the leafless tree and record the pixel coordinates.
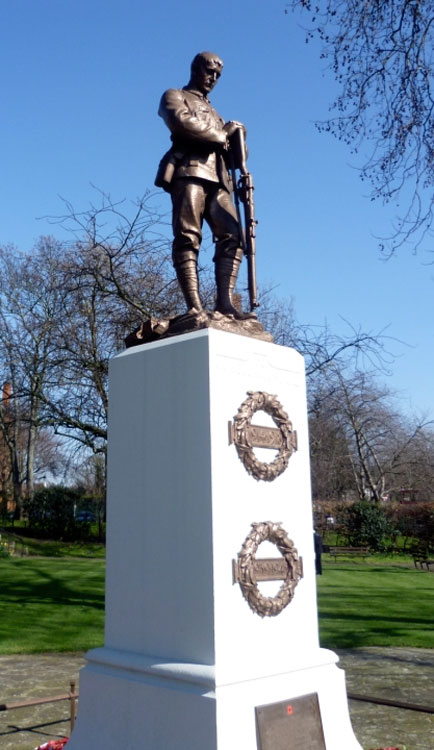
(68, 307)
(90, 479)
(28, 306)
(377, 444)
(331, 469)
(381, 55)
(115, 273)
(413, 480)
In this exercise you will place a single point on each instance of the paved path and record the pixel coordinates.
(35, 676)
(400, 673)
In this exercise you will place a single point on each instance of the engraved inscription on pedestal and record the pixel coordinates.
(248, 571)
(294, 724)
(247, 436)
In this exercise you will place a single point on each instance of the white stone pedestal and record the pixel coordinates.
(186, 661)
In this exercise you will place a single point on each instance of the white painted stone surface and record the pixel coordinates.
(185, 660)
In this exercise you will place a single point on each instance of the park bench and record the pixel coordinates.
(420, 560)
(421, 557)
(348, 551)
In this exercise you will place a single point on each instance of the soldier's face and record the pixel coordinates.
(206, 76)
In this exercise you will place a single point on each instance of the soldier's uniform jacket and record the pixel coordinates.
(199, 141)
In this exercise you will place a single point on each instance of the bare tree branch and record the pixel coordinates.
(381, 55)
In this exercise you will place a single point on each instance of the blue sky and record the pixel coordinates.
(81, 81)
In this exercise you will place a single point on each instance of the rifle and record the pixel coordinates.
(243, 191)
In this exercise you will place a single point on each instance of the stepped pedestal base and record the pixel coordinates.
(187, 662)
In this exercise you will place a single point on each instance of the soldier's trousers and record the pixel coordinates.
(193, 201)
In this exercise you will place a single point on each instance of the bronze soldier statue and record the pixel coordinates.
(195, 171)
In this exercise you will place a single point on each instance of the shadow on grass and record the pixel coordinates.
(42, 583)
(360, 619)
(375, 606)
(50, 605)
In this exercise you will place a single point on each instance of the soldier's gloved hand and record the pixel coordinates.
(231, 126)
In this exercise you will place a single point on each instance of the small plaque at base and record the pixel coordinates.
(294, 724)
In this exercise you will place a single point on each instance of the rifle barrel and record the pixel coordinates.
(243, 191)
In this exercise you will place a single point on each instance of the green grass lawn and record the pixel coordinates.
(24, 545)
(57, 604)
(51, 604)
(379, 603)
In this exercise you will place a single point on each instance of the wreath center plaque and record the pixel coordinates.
(248, 571)
(246, 436)
(294, 724)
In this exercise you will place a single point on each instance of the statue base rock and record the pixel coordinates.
(156, 329)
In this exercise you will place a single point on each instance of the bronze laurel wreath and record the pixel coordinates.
(259, 400)
(268, 606)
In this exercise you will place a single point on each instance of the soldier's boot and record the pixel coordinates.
(226, 273)
(188, 280)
